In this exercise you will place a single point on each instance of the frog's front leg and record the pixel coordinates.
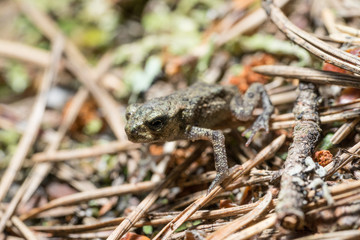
(217, 139)
(243, 106)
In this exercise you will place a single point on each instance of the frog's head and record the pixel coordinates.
(154, 121)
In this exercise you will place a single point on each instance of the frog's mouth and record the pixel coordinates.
(138, 134)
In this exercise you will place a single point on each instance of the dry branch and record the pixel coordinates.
(310, 75)
(344, 131)
(294, 179)
(334, 117)
(109, 148)
(22, 52)
(93, 194)
(25, 231)
(254, 229)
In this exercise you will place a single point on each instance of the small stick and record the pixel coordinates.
(328, 18)
(309, 75)
(347, 114)
(25, 53)
(349, 30)
(284, 97)
(293, 181)
(254, 229)
(89, 195)
(61, 155)
(344, 38)
(21, 226)
(127, 189)
(344, 131)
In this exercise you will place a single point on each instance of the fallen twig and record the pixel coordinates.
(310, 75)
(89, 195)
(25, 53)
(344, 131)
(334, 117)
(254, 229)
(61, 155)
(294, 179)
(25, 231)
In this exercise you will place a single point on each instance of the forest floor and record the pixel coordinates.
(70, 68)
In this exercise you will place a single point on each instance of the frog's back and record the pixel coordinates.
(203, 92)
(205, 105)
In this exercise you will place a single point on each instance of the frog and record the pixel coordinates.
(194, 113)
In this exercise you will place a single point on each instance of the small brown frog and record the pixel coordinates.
(191, 113)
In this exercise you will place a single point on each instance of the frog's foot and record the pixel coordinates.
(219, 178)
(262, 122)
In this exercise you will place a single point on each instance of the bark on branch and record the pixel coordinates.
(295, 176)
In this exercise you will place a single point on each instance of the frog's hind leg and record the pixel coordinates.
(217, 139)
(243, 106)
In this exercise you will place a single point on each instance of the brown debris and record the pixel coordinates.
(87, 113)
(323, 157)
(248, 76)
(134, 236)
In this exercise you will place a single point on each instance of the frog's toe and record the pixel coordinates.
(259, 124)
(219, 178)
(253, 132)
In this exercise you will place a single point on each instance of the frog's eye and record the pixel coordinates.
(157, 123)
(127, 115)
